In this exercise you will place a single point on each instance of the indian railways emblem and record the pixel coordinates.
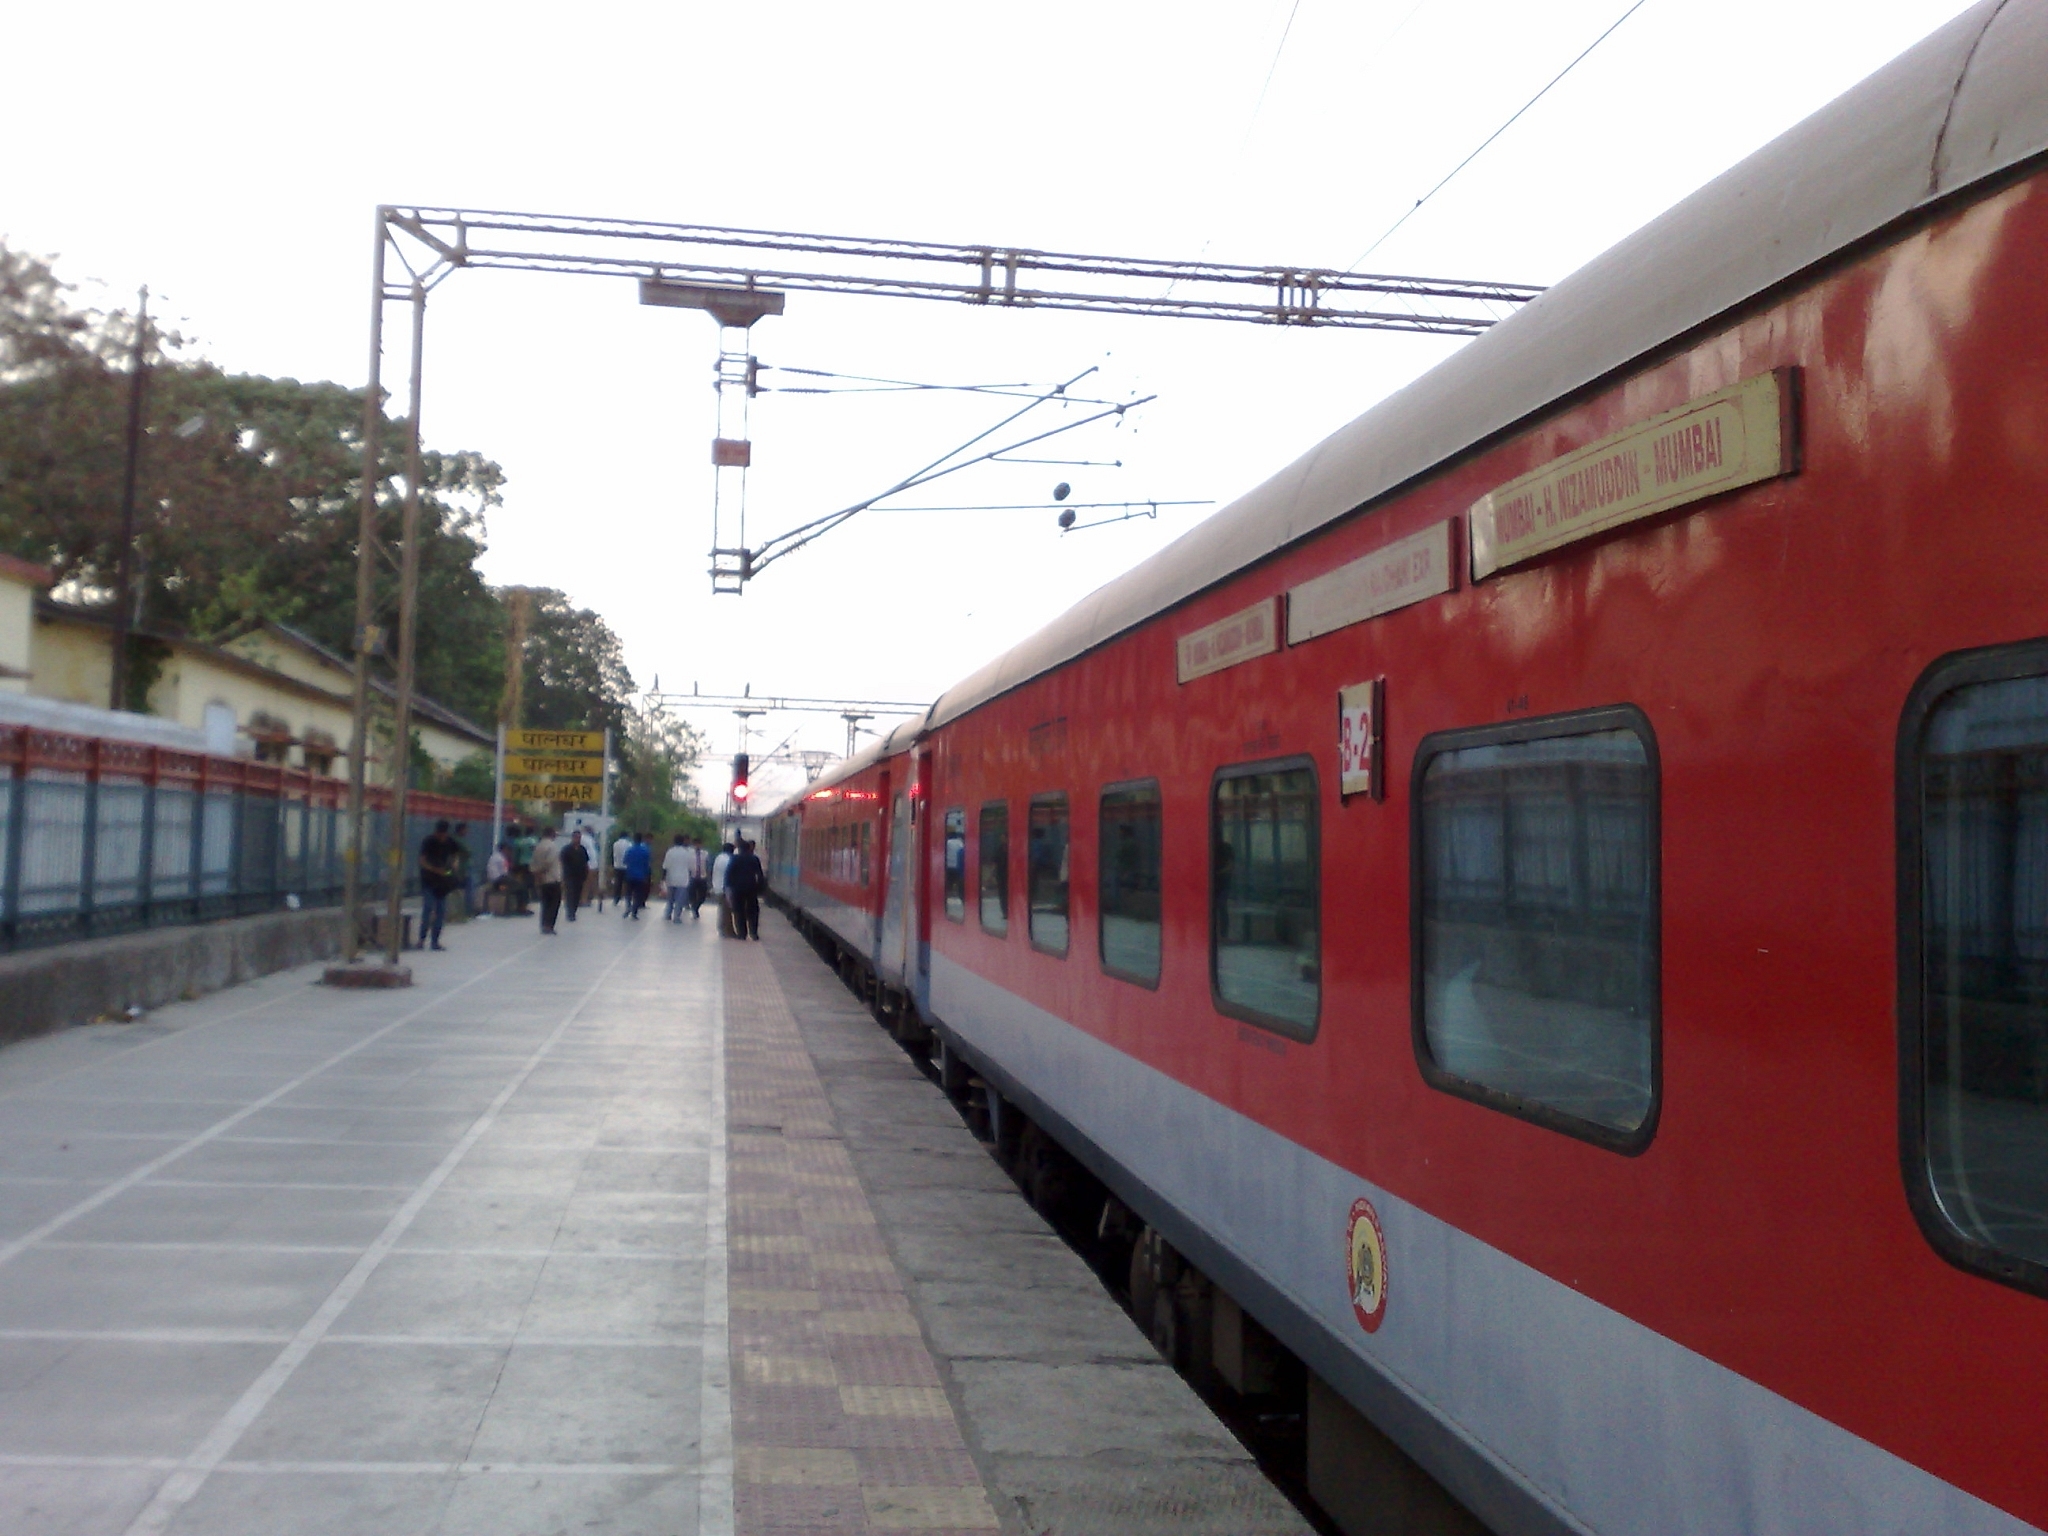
(1366, 1266)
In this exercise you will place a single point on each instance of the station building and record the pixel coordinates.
(270, 694)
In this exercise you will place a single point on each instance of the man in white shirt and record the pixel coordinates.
(675, 874)
(718, 888)
(700, 875)
(619, 870)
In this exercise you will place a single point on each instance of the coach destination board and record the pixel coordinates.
(1720, 442)
(1403, 572)
(1247, 633)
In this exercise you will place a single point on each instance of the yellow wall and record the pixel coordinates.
(17, 624)
(73, 661)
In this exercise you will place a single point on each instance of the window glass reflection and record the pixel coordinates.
(1539, 924)
(1130, 866)
(1265, 951)
(1984, 956)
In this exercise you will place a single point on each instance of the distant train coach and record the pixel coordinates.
(1542, 906)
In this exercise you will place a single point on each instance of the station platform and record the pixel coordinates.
(630, 1230)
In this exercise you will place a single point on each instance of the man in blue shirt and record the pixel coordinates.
(639, 873)
(745, 879)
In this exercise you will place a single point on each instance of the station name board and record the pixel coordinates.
(585, 793)
(534, 766)
(524, 740)
(1720, 442)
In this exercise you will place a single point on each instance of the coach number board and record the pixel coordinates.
(1720, 442)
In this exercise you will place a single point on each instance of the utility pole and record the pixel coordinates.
(408, 617)
(124, 581)
(366, 636)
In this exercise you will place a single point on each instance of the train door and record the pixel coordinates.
(896, 908)
(920, 864)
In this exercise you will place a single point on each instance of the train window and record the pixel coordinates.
(1128, 863)
(956, 863)
(1046, 873)
(995, 867)
(1264, 953)
(1535, 916)
(1973, 829)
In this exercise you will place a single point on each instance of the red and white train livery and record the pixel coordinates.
(1545, 901)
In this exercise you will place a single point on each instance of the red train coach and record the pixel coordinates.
(1545, 901)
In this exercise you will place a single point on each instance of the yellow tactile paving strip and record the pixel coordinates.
(840, 1423)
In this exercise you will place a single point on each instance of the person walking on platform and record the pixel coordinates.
(718, 867)
(675, 875)
(438, 856)
(546, 866)
(639, 874)
(619, 852)
(465, 868)
(700, 876)
(575, 870)
(522, 866)
(745, 879)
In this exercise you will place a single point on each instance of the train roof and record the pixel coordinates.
(896, 739)
(1962, 105)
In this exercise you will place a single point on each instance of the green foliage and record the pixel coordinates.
(248, 507)
(475, 777)
(575, 669)
(248, 492)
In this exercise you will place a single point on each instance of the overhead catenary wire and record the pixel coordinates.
(1503, 128)
(860, 384)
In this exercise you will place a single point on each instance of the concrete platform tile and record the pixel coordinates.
(593, 1406)
(314, 1504)
(118, 1398)
(872, 1322)
(879, 1432)
(440, 1295)
(929, 1509)
(539, 1503)
(378, 1403)
(77, 1154)
(799, 1466)
(917, 1466)
(895, 1402)
(1029, 1408)
(743, 1298)
(67, 1501)
(88, 1288)
(979, 1322)
(271, 1162)
(773, 1509)
(161, 1213)
(792, 1370)
(488, 1219)
(872, 1362)
(785, 1417)
(593, 1296)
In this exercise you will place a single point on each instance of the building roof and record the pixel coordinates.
(1963, 105)
(48, 607)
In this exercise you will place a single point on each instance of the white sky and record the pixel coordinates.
(231, 156)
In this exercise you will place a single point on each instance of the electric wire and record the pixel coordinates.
(1503, 128)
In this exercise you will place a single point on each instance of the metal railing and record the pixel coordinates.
(100, 837)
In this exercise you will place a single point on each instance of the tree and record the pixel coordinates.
(575, 675)
(249, 489)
